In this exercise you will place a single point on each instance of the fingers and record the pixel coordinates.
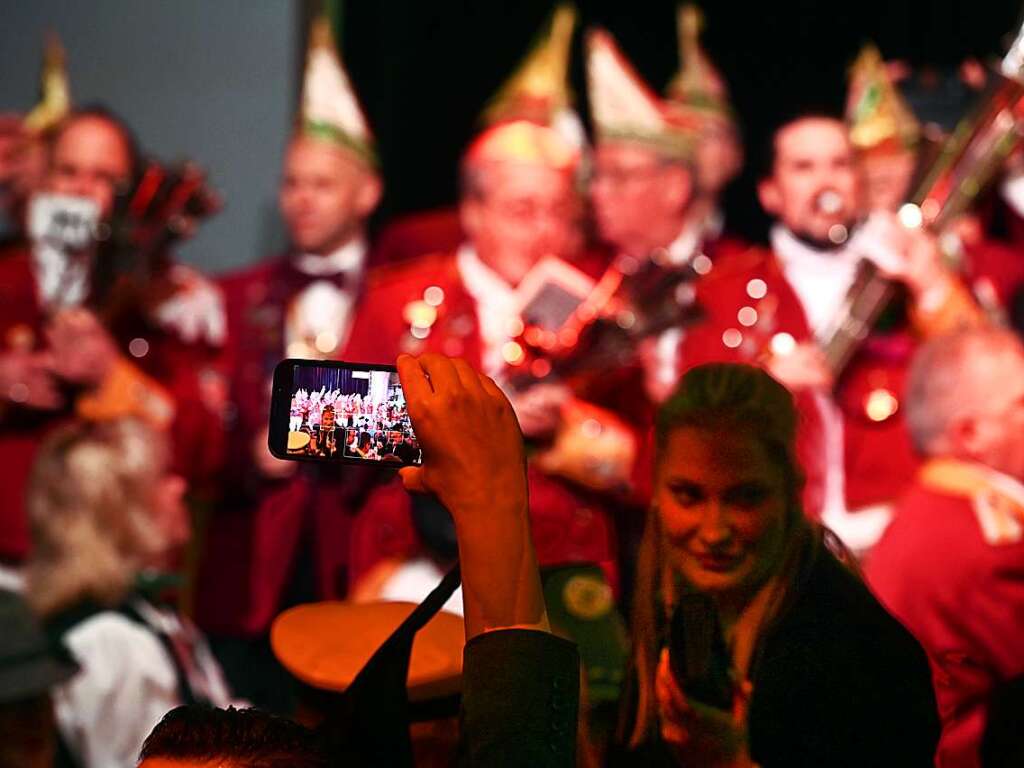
(671, 704)
(468, 377)
(441, 371)
(415, 384)
(500, 399)
(667, 691)
(741, 700)
(412, 479)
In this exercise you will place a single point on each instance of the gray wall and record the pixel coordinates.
(210, 80)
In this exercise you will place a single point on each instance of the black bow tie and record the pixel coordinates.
(293, 280)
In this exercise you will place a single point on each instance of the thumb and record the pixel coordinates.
(412, 479)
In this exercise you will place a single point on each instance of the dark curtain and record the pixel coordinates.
(425, 69)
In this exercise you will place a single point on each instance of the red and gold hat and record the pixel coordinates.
(625, 109)
(55, 94)
(538, 90)
(877, 116)
(698, 90)
(523, 142)
(330, 109)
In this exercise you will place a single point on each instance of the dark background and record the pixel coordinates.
(219, 81)
(425, 69)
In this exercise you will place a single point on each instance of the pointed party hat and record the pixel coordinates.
(876, 114)
(55, 94)
(698, 89)
(624, 108)
(538, 90)
(330, 109)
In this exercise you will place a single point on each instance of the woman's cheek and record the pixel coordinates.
(678, 522)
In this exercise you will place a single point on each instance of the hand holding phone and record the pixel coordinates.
(475, 463)
(332, 411)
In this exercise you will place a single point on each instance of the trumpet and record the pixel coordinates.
(965, 166)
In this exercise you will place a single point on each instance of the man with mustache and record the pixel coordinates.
(778, 307)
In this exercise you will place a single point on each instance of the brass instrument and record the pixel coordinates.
(966, 164)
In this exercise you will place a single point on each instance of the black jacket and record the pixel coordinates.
(520, 698)
(837, 682)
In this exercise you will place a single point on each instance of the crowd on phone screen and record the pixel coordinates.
(173, 594)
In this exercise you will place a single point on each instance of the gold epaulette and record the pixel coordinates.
(999, 510)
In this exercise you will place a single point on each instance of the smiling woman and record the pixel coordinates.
(819, 673)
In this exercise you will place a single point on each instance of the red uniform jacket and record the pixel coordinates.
(568, 524)
(257, 529)
(962, 598)
(177, 366)
(416, 235)
(748, 304)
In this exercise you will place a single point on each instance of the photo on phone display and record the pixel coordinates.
(341, 411)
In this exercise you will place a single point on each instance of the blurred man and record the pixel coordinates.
(780, 306)
(647, 180)
(951, 564)
(56, 355)
(889, 145)
(700, 94)
(23, 142)
(536, 91)
(518, 206)
(280, 534)
(883, 131)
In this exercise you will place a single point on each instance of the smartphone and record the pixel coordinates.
(698, 657)
(322, 410)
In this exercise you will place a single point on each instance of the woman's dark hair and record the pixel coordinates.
(246, 738)
(730, 398)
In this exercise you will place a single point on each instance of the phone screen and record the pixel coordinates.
(329, 411)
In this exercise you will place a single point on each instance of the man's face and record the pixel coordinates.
(520, 213)
(814, 184)
(994, 434)
(887, 176)
(717, 158)
(325, 195)
(638, 198)
(90, 159)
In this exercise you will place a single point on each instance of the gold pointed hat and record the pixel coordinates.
(539, 90)
(330, 108)
(624, 108)
(55, 94)
(876, 114)
(698, 89)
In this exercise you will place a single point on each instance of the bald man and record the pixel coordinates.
(519, 204)
(280, 535)
(951, 564)
(55, 349)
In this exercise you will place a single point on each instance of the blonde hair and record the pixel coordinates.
(89, 502)
(721, 396)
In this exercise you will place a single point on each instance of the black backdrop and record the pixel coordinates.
(424, 68)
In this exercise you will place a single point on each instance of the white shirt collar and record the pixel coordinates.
(483, 283)
(683, 248)
(496, 304)
(350, 257)
(820, 279)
